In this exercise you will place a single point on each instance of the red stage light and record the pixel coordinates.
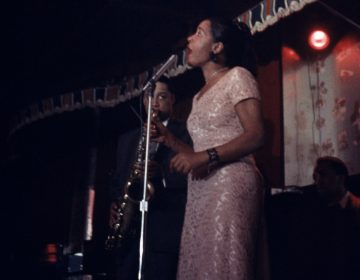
(319, 40)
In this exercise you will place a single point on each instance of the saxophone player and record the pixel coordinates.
(166, 206)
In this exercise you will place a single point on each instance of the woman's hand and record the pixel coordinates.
(200, 172)
(187, 162)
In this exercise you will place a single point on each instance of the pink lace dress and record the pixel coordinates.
(223, 210)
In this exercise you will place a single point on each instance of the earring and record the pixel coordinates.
(213, 56)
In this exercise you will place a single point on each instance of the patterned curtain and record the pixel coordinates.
(321, 110)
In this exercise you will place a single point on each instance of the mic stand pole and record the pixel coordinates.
(144, 202)
(148, 89)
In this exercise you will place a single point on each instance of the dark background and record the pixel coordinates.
(52, 47)
(47, 167)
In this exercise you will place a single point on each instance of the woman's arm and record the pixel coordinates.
(249, 114)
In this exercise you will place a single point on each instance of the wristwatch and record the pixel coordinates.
(214, 158)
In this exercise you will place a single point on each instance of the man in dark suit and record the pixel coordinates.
(166, 206)
(319, 226)
(335, 222)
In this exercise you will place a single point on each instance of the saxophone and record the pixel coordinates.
(126, 224)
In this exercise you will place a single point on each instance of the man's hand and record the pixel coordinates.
(114, 214)
(154, 169)
(159, 133)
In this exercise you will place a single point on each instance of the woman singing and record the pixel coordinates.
(225, 191)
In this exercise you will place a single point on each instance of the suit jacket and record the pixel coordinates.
(166, 208)
(312, 240)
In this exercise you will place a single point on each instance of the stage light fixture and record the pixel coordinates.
(319, 39)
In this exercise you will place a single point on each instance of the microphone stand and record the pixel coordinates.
(144, 203)
(149, 90)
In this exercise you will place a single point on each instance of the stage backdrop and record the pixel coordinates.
(265, 14)
(321, 109)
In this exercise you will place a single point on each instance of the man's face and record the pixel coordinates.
(327, 182)
(162, 101)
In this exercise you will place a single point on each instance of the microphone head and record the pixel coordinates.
(180, 46)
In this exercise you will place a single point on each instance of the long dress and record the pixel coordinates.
(223, 210)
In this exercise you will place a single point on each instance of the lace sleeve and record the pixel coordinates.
(242, 85)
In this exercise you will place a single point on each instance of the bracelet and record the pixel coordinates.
(214, 158)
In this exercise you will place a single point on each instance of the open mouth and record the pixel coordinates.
(187, 52)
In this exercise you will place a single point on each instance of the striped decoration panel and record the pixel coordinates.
(263, 15)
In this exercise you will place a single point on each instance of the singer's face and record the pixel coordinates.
(200, 45)
(162, 101)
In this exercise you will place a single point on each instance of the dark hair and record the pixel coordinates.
(237, 40)
(169, 82)
(336, 164)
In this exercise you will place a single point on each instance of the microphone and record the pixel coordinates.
(160, 72)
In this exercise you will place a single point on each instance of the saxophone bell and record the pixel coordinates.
(127, 223)
(134, 190)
